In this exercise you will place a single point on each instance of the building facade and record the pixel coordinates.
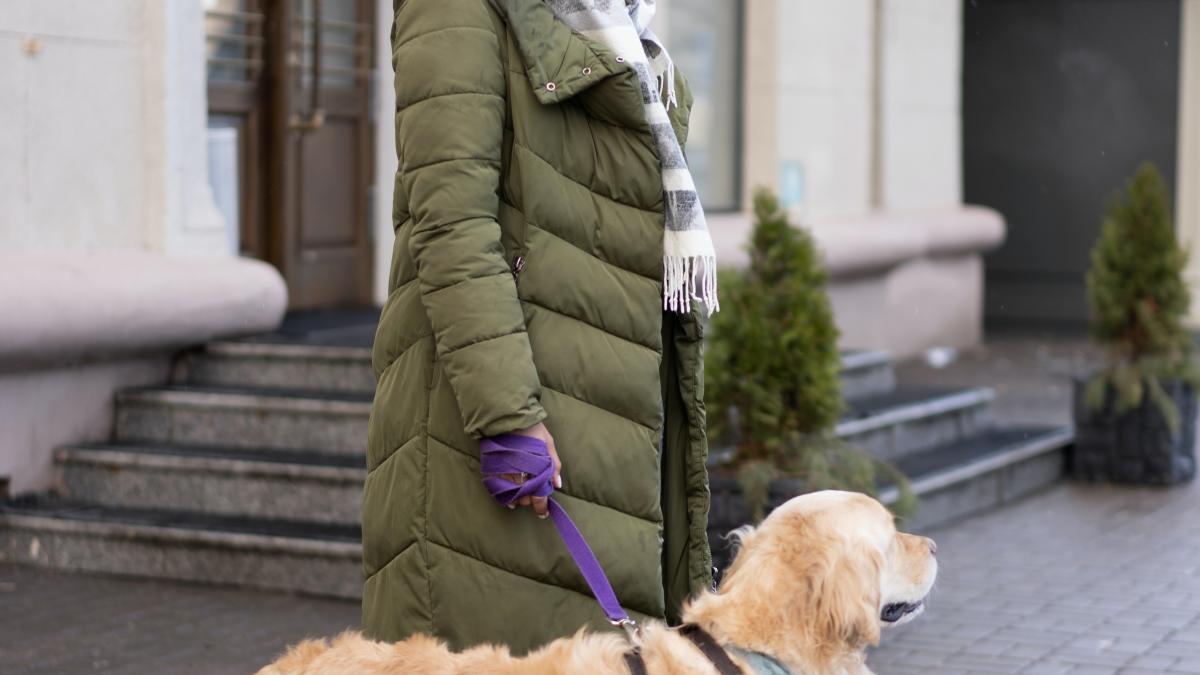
(179, 170)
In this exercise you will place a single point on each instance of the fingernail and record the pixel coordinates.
(558, 482)
(543, 515)
(510, 506)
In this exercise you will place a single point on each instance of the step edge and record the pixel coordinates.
(865, 360)
(284, 351)
(179, 535)
(940, 405)
(209, 463)
(939, 480)
(225, 400)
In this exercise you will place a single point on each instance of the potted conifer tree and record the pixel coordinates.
(1135, 417)
(772, 381)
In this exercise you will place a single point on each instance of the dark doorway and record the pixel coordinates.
(1062, 99)
(294, 78)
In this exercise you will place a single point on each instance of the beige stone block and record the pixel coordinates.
(14, 151)
(830, 136)
(84, 146)
(825, 45)
(109, 20)
(921, 158)
(922, 53)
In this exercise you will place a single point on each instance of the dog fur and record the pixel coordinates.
(808, 587)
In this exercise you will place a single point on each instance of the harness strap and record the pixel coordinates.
(635, 662)
(711, 649)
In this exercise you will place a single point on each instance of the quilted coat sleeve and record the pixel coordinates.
(450, 101)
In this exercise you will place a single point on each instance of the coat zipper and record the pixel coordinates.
(518, 265)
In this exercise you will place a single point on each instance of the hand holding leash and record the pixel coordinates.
(540, 504)
(529, 457)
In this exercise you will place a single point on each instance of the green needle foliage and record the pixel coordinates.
(772, 369)
(1139, 300)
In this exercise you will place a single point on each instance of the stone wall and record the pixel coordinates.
(102, 128)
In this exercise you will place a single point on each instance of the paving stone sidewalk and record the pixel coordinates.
(52, 622)
(1081, 579)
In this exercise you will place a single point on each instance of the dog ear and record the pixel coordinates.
(846, 606)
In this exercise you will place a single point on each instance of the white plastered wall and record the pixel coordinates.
(823, 89)
(102, 128)
(385, 150)
(1187, 191)
(920, 103)
(103, 178)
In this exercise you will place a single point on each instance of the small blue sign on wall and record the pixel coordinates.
(791, 183)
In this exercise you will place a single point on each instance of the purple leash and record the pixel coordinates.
(514, 453)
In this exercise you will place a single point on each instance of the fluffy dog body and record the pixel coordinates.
(811, 587)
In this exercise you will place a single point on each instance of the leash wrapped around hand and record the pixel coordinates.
(517, 454)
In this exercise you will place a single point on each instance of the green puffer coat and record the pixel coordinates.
(498, 167)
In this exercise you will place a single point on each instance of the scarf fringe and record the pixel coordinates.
(683, 276)
(666, 79)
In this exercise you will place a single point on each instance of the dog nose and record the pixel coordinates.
(932, 547)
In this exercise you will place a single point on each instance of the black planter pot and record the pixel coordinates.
(1136, 447)
(728, 511)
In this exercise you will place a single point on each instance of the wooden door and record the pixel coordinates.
(237, 101)
(306, 186)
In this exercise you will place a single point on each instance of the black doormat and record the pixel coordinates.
(354, 327)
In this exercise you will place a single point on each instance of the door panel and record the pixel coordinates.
(332, 178)
(235, 36)
(305, 118)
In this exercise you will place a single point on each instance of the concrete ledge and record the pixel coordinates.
(40, 409)
(901, 282)
(69, 308)
(874, 242)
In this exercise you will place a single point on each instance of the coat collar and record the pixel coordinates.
(553, 53)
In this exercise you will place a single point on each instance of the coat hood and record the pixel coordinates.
(554, 53)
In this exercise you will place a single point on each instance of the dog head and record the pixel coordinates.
(818, 579)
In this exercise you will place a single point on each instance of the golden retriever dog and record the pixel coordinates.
(811, 587)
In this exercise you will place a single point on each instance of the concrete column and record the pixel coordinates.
(824, 85)
(385, 148)
(103, 128)
(760, 102)
(181, 216)
(1187, 185)
(919, 120)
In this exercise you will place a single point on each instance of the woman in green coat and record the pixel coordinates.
(550, 272)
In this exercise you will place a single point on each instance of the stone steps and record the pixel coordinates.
(866, 373)
(908, 420)
(270, 484)
(295, 367)
(334, 422)
(249, 470)
(889, 424)
(321, 368)
(183, 546)
(980, 472)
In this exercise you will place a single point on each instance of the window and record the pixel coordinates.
(704, 37)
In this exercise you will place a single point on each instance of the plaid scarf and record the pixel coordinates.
(689, 261)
